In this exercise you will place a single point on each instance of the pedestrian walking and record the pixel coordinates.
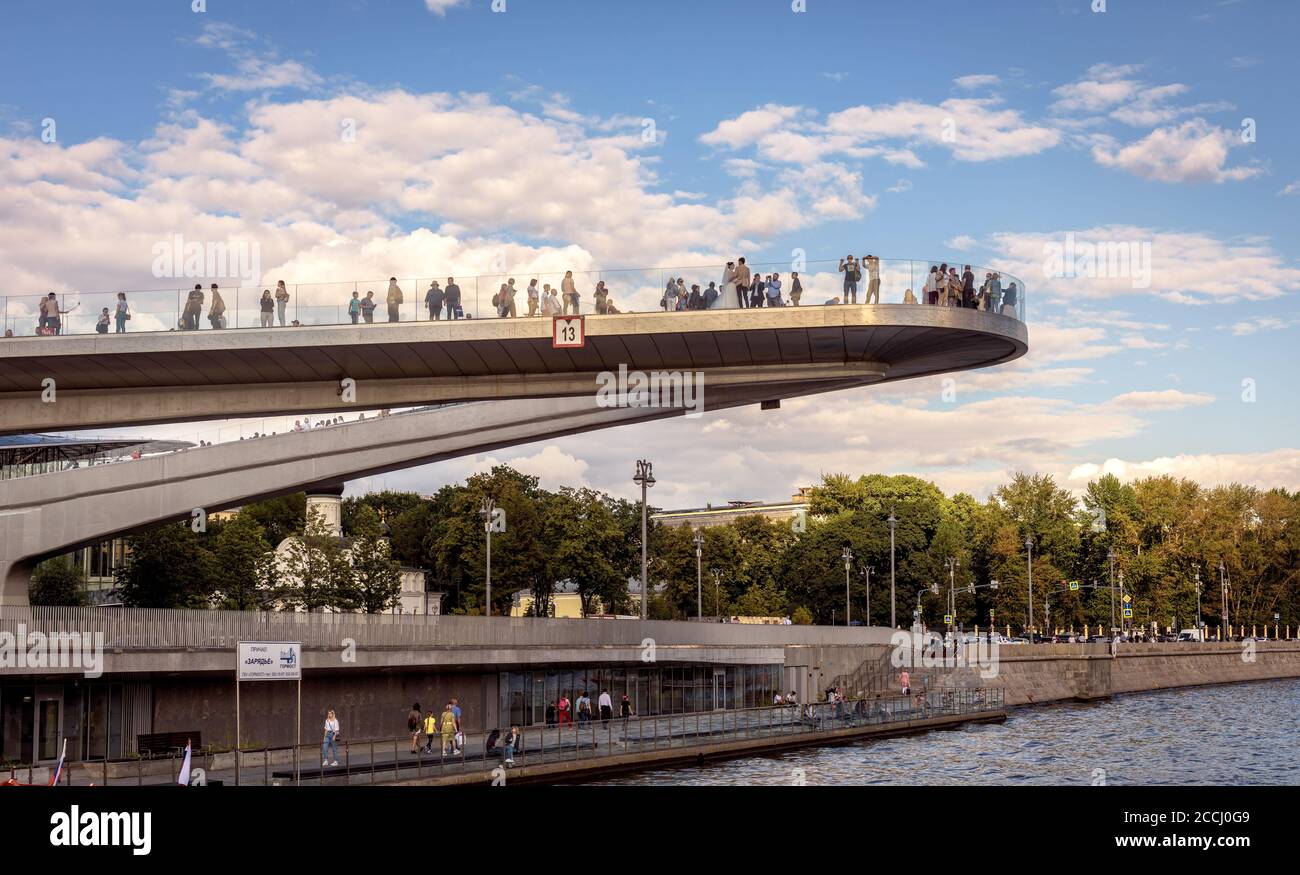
(447, 727)
(606, 706)
(414, 721)
(330, 744)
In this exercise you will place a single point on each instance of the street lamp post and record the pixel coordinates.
(1029, 546)
(1199, 633)
(645, 479)
(1223, 586)
(1110, 554)
(488, 510)
(699, 576)
(952, 564)
(868, 571)
(717, 604)
(893, 524)
(848, 563)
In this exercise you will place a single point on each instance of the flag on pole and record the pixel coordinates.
(184, 777)
(58, 770)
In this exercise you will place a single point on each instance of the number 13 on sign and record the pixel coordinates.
(568, 332)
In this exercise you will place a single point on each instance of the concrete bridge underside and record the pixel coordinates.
(182, 376)
(47, 514)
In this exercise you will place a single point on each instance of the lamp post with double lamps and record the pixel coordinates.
(699, 575)
(644, 478)
(893, 524)
(848, 564)
(488, 510)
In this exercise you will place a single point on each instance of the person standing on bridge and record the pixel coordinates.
(368, 307)
(281, 301)
(394, 300)
(570, 291)
(123, 312)
(873, 279)
(267, 305)
(217, 309)
(742, 280)
(452, 297)
(354, 307)
(193, 307)
(849, 267)
(533, 297)
(433, 301)
(796, 289)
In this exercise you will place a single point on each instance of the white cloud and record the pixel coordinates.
(1291, 188)
(972, 129)
(1194, 151)
(976, 80)
(1166, 399)
(440, 7)
(1264, 470)
(962, 242)
(1186, 267)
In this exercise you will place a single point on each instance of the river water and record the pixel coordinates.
(1228, 734)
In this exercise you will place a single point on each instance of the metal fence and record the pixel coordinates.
(394, 759)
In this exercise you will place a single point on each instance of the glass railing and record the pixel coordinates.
(892, 282)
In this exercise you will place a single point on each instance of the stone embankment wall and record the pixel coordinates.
(1053, 672)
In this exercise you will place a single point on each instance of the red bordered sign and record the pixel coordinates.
(568, 332)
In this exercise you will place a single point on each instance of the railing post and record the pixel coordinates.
(397, 761)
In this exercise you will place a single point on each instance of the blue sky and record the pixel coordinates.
(520, 131)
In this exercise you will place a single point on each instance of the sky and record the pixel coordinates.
(359, 139)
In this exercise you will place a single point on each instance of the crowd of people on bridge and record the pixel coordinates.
(737, 288)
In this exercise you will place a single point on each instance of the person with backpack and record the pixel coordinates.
(852, 274)
(413, 722)
(217, 309)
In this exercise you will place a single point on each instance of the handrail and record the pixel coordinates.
(326, 303)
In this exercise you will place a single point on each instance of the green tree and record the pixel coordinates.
(247, 578)
(316, 572)
(376, 577)
(167, 567)
(57, 582)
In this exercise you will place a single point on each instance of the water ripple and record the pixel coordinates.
(1229, 734)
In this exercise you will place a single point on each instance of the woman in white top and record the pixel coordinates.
(330, 744)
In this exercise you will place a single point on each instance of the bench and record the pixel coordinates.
(166, 743)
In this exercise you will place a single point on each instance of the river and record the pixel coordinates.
(1227, 734)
